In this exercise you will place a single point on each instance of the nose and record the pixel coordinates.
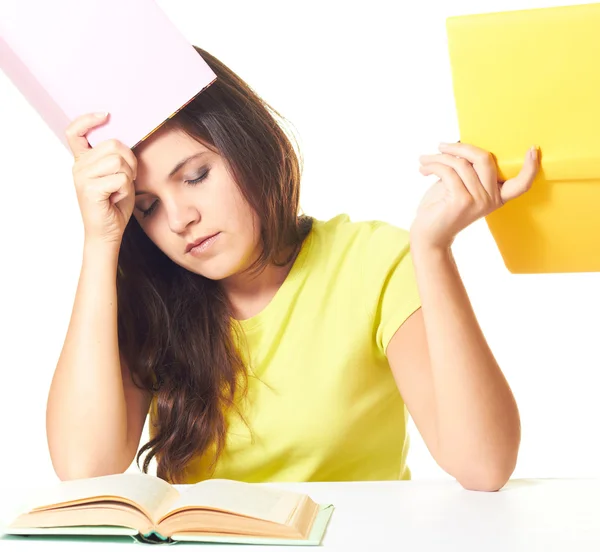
(181, 215)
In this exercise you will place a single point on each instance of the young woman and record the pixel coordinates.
(268, 346)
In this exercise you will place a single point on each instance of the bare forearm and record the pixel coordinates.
(477, 420)
(86, 412)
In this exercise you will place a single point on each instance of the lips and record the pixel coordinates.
(199, 241)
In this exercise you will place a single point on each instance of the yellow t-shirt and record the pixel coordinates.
(322, 404)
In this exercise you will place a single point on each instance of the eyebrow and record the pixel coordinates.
(176, 168)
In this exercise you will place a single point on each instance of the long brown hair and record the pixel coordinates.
(175, 327)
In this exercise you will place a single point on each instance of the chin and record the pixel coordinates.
(213, 274)
(221, 264)
(213, 270)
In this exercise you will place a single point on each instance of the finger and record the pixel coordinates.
(483, 162)
(77, 130)
(467, 173)
(110, 164)
(116, 187)
(514, 187)
(449, 176)
(106, 148)
(115, 146)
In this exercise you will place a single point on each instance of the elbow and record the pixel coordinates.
(487, 477)
(68, 469)
(484, 482)
(75, 461)
(484, 474)
(487, 470)
(65, 474)
(70, 473)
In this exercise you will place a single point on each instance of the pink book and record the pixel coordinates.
(71, 57)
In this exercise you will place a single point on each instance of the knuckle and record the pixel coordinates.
(123, 178)
(113, 162)
(112, 144)
(442, 169)
(124, 163)
(450, 173)
(463, 163)
(466, 200)
(485, 157)
(72, 127)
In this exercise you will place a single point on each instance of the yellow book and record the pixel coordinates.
(530, 77)
(151, 510)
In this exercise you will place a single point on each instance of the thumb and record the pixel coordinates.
(521, 183)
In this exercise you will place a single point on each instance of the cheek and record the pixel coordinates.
(247, 220)
(234, 208)
(242, 224)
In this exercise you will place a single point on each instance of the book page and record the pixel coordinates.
(149, 493)
(246, 499)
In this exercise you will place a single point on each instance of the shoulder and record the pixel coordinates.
(370, 265)
(342, 237)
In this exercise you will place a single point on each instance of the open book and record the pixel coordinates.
(151, 510)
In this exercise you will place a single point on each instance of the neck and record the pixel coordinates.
(249, 293)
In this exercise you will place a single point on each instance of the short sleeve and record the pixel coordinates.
(388, 279)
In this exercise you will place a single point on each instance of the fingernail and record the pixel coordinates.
(444, 144)
(101, 114)
(533, 152)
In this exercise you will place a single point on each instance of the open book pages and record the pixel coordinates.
(149, 504)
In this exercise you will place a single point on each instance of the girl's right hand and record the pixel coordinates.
(103, 178)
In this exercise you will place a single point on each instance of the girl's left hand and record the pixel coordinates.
(468, 190)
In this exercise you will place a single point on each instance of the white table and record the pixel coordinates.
(527, 515)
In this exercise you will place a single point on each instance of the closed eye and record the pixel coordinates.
(150, 210)
(193, 182)
(199, 179)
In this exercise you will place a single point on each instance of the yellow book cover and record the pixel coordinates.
(530, 77)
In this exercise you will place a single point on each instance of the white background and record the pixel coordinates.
(367, 87)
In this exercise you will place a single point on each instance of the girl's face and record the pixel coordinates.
(185, 195)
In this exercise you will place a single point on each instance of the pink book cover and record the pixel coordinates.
(71, 57)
